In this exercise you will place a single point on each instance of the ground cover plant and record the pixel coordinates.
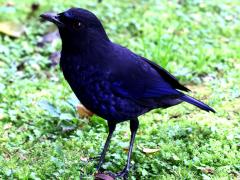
(41, 133)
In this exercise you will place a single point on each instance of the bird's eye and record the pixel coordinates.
(77, 25)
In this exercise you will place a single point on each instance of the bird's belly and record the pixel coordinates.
(100, 99)
(94, 91)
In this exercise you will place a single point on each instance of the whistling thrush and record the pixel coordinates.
(110, 80)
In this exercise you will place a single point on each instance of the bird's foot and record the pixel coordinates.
(122, 174)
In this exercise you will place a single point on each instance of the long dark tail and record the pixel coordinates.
(197, 103)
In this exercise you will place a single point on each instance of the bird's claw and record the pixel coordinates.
(122, 174)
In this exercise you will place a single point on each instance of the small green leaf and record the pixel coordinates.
(66, 116)
(49, 107)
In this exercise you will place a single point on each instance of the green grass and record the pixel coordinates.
(197, 41)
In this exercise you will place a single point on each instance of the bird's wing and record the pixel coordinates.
(167, 76)
(137, 78)
(147, 83)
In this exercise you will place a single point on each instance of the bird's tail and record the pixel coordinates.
(197, 103)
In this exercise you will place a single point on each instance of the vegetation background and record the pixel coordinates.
(41, 133)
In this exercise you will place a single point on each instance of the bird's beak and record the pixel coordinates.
(52, 17)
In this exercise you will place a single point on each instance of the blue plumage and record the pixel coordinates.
(110, 80)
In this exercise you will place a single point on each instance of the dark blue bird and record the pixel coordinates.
(110, 80)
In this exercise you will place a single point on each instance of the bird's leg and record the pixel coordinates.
(111, 127)
(133, 127)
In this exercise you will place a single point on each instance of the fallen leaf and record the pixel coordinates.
(207, 170)
(11, 29)
(101, 176)
(10, 4)
(22, 156)
(3, 140)
(126, 149)
(175, 158)
(83, 112)
(149, 151)
(7, 126)
(85, 159)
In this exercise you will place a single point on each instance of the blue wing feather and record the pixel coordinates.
(142, 82)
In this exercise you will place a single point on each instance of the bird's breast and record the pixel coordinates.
(92, 85)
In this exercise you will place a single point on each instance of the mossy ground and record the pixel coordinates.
(197, 41)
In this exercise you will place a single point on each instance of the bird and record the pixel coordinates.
(110, 80)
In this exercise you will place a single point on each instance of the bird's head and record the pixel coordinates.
(77, 27)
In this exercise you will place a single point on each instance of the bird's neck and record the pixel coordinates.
(84, 46)
(91, 52)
